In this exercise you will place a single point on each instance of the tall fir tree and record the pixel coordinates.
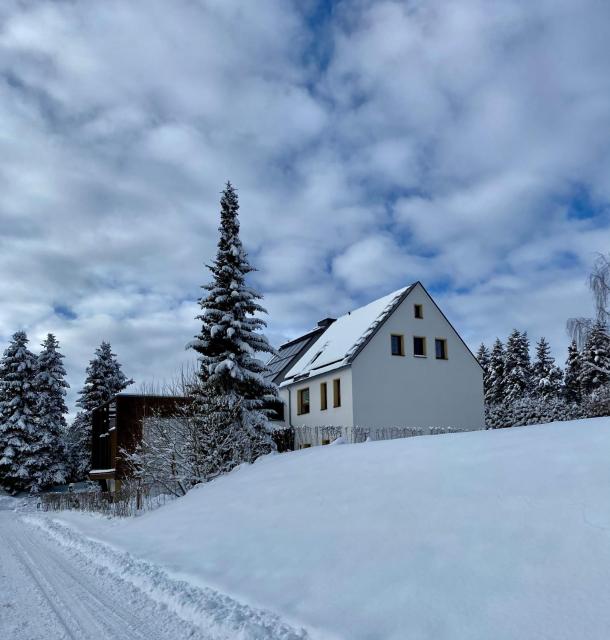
(50, 386)
(18, 415)
(517, 367)
(103, 381)
(595, 372)
(483, 357)
(495, 387)
(573, 371)
(546, 375)
(230, 372)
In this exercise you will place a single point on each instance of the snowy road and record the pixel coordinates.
(48, 593)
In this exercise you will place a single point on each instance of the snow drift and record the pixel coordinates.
(502, 534)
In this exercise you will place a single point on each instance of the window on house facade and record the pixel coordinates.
(305, 446)
(336, 392)
(302, 401)
(323, 396)
(440, 347)
(325, 441)
(398, 344)
(419, 346)
(418, 311)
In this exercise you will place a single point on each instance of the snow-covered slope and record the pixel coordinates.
(502, 534)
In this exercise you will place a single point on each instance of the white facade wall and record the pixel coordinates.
(409, 391)
(335, 416)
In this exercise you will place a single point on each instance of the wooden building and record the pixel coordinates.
(118, 425)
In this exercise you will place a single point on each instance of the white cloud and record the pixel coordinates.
(438, 141)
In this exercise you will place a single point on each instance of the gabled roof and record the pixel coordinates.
(291, 351)
(345, 338)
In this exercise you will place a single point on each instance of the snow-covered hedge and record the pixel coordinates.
(539, 410)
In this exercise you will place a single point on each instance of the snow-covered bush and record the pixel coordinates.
(531, 410)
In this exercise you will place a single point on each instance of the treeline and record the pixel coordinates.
(225, 421)
(37, 448)
(519, 390)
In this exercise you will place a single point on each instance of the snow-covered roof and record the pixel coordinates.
(340, 343)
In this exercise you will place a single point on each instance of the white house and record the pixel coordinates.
(396, 362)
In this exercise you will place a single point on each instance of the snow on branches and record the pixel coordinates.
(231, 374)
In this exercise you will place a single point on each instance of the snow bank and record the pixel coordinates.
(502, 534)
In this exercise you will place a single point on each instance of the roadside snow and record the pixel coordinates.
(502, 534)
(53, 592)
(218, 615)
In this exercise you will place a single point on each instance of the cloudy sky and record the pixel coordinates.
(464, 144)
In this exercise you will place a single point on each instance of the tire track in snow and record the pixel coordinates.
(218, 615)
(42, 589)
(83, 604)
(86, 610)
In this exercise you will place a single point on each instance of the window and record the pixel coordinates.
(419, 346)
(304, 446)
(323, 396)
(418, 311)
(398, 345)
(325, 441)
(440, 346)
(336, 392)
(302, 401)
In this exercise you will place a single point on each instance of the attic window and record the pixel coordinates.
(418, 311)
(419, 346)
(440, 346)
(398, 344)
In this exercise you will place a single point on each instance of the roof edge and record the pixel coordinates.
(399, 300)
(449, 323)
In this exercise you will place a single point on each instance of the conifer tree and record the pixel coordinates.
(103, 381)
(573, 371)
(483, 359)
(18, 407)
(517, 366)
(495, 387)
(595, 372)
(546, 375)
(230, 372)
(50, 386)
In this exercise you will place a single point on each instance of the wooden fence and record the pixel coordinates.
(128, 501)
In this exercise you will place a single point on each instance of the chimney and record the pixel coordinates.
(326, 322)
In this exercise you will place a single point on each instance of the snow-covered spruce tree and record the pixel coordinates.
(517, 367)
(573, 369)
(596, 359)
(103, 381)
(483, 359)
(231, 374)
(18, 406)
(50, 387)
(495, 387)
(546, 375)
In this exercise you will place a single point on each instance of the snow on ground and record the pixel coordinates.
(498, 534)
(50, 592)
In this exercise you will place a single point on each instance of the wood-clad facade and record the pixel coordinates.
(117, 425)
